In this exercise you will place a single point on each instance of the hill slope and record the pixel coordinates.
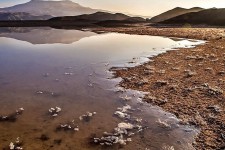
(98, 16)
(173, 13)
(21, 16)
(53, 8)
(208, 17)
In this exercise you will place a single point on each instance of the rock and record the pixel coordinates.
(215, 108)
(120, 89)
(121, 114)
(68, 73)
(11, 146)
(12, 117)
(168, 148)
(121, 135)
(190, 73)
(214, 91)
(221, 73)
(15, 146)
(87, 117)
(39, 92)
(124, 126)
(163, 124)
(160, 83)
(126, 98)
(67, 127)
(125, 108)
(55, 111)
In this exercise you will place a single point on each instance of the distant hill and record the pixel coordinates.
(53, 8)
(22, 16)
(135, 19)
(98, 16)
(121, 23)
(173, 13)
(87, 20)
(208, 17)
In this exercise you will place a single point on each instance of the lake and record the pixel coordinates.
(44, 68)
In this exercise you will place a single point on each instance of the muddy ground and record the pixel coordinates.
(189, 83)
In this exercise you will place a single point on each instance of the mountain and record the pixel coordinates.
(53, 8)
(22, 16)
(208, 17)
(98, 16)
(173, 13)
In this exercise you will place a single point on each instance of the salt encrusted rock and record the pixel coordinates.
(12, 117)
(120, 89)
(87, 117)
(17, 145)
(122, 114)
(168, 147)
(68, 127)
(163, 124)
(125, 108)
(119, 136)
(55, 111)
(68, 73)
(39, 92)
(126, 98)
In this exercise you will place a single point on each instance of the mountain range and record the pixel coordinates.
(22, 16)
(66, 13)
(98, 16)
(173, 13)
(52, 8)
(214, 17)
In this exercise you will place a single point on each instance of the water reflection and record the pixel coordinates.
(44, 35)
(75, 77)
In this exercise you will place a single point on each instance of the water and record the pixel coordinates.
(71, 68)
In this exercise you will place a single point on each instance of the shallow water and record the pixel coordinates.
(33, 59)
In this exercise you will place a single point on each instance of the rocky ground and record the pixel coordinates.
(189, 83)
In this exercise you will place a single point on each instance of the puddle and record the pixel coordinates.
(47, 70)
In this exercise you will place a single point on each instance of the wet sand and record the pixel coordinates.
(189, 83)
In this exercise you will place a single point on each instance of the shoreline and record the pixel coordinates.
(188, 82)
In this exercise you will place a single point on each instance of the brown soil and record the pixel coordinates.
(187, 82)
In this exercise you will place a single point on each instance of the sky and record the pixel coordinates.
(137, 7)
